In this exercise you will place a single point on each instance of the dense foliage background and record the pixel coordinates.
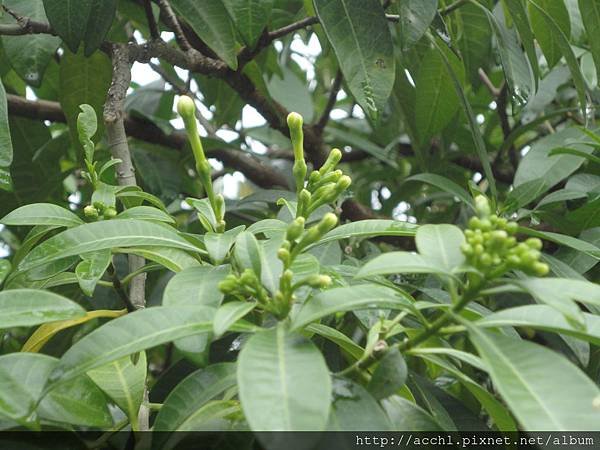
(145, 287)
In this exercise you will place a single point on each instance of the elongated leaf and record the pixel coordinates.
(104, 235)
(99, 22)
(248, 252)
(351, 347)
(575, 152)
(389, 376)
(415, 18)
(436, 100)
(130, 334)
(360, 36)
(544, 318)
(41, 214)
(440, 245)
(45, 332)
(210, 20)
(29, 55)
(146, 213)
(6, 150)
(79, 402)
(124, 382)
(69, 19)
(230, 313)
(5, 268)
(353, 408)
(563, 239)
(173, 259)
(545, 33)
(196, 286)
(531, 379)
(369, 228)
(28, 307)
(250, 17)
(190, 395)
(406, 415)
(398, 262)
(219, 244)
(590, 15)
(91, 269)
(444, 184)
(283, 382)
(561, 290)
(519, 15)
(362, 296)
(15, 401)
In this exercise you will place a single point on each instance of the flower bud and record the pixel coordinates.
(110, 212)
(482, 206)
(333, 159)
(186, 107)
(314, 177)
(295, 121)
(343, 183)
(248, 277)
(534, 243)
(512, 227)
(295, 229)
(283, 255)
(541, 269)
(327, 223)
(474, 223)
(467, 249)
(100, 206)
(90, 212)
(319, 281)
(227, 286)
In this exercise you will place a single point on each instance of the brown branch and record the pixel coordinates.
(169, 17)
(24, 25)
(335, 88)
(501, 105)
(152, 25)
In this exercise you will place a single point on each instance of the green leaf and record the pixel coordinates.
(196, 286)
(518, 14)
(15, 401)
(398, 262)
(560, 291)
(353, 408)
(415, 18)
(41, 214)
(343, 341)
(563, 239)
(531, 379)
(104, 235)
(524, 194)
(368, 228)
(389, 375)
(90, 270)
(559, 36)
(590, 15)
(87, 126)
(230, 313)
(365, 57)
(129, 334)
(5, 268)
(6, 150)
(284, 383)
(545, 33)
(575, 152)
(351, 298)
(445, 185)
(440, 245)
(83, 80)
(436, 100)
(29, 55)
(69, 19)
(405, 415)
(250, 17)
(28, 307)
(173, 259)
(124, 382)
(189, 396)
(210, 21)
(545, 318)
(101, 18)
(218, 244)
(78, 403)
(146, 213)
(248, 252)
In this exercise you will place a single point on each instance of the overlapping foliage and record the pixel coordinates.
(439, 272)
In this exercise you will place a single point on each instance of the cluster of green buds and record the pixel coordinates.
(187, 110)
(245, 285)
(97, 209)
(324, 185)
(492, 248)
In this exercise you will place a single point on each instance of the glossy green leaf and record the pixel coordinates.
(69, 19)
(196, 286)
(389, 375)
(362, 296)
(124, 382)
(146, 213)
(99, 23)
(190, 395)
(365, 57)
(173, 259)
(28, 307)
(343, 341)
(250, 17)
(590, 15)
(248, 252)
(129, 334)
(29, 55)
(91, 269)
(406, 415)
(563, 239)
(545, 33)
(41, 214)
(353, 408)
(210, 20)
(518, 14)
(415, 18)
(230, 313)
(558, 291)
(398, 262)
(5, 268)
(368, 228)
(87, 127)
(444, 184)
(440, 245)
(78, 402)
(104, 235)
(531, 379)
(284, 383)
(544, 318)
(6, 150)
(218, 244)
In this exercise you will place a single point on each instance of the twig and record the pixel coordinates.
(171, 20)
(335, 88)
(24, 25)
(154, 33)
(488, 83)
(457, 4)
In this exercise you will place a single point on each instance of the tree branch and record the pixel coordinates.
(172, 22)
(152, 25)
(335, 88)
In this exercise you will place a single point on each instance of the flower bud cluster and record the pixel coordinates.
(93, 212)
(492, 248)
(245, 285)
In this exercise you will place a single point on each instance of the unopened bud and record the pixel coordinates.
(534, 243)
(319, 281)
(482, 206)
(541, 269)
(333, 159)
(90, 212)
(110, 212)
(327, 223)
(295, 229)
(186, 107)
